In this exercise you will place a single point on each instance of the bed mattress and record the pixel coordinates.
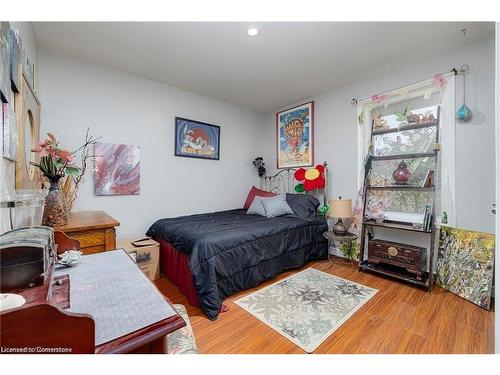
(230, 251)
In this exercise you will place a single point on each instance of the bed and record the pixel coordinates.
(214, 255)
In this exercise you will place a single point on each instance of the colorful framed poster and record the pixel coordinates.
(465, 264)
(117, 169)
(195, 139)
(295, 136)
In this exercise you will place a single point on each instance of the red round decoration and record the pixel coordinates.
(314, 183)
(300, 174)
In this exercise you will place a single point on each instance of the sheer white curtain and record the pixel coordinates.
(439, 90)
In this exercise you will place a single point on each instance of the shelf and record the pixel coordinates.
(404, 128)
(401, 187)
(404, 156)
(395, 272)
(407, 227)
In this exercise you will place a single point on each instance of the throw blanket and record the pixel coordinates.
(231, 251)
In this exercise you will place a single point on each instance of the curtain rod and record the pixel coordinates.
(453, 71)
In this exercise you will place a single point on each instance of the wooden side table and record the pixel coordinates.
(334, 243)
(94, 229)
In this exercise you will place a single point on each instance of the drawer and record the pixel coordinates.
(93, 249)
(89, 238)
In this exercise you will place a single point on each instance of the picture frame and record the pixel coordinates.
(117, 169)
(428, 182)
(295, 136)
(9, 131)
(196, 139)
(466, 264)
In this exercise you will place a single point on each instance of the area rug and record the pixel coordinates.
(308, 306)
(182, 341)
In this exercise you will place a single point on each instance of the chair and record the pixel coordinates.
(65, 243)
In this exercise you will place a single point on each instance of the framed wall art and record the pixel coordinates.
(9, 131)
(295, 136)
(117, 169)
(195, 139)
(465, 264)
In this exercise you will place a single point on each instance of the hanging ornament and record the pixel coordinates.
(464, 113)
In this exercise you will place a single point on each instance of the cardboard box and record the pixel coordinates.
(145, 252)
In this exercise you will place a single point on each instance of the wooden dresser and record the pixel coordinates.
(94, 229)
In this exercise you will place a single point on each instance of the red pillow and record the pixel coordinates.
(254, 192)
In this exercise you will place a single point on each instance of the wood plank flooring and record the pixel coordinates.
(399, 319)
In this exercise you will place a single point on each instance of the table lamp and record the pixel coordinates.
(340, 209)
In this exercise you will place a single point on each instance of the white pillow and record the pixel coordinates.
(256, 208)
(276, 206)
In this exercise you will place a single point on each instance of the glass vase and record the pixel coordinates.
(54, 212)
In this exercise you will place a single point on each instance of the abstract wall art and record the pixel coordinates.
(294, 136)
(194, 139)
(465, 264)
(117, 169)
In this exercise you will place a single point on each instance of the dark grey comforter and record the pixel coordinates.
(231, 251)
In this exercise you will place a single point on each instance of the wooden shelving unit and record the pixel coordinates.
(405, 127)
(394, 225)
(427, 279)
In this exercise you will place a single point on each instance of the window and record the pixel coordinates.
(409, 111)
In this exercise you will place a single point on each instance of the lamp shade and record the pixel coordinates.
(340, 208)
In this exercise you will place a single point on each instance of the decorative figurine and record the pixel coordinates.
(379, 122)
(413, 118)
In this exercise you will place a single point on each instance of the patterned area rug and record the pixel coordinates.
(182, 341)
(308, 306)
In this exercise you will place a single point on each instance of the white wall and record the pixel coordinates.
(123, 108)
(335, 128)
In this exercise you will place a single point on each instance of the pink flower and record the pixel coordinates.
(65, 155)
(379, 98)
(52, 138)
(439, 80)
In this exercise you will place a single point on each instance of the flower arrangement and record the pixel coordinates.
(57, 163)
(260, 165)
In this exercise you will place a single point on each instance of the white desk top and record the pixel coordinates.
(111, 288)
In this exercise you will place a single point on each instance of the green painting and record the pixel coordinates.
(465, 264)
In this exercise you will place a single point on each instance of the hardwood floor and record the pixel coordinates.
(399, 319)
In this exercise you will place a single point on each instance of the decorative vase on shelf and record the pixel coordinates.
(402, 174)
(54, 212)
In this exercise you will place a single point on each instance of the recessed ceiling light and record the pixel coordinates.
(252, 31)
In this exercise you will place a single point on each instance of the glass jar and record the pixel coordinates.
(21, 208)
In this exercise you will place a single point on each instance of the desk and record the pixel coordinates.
(118, 308)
